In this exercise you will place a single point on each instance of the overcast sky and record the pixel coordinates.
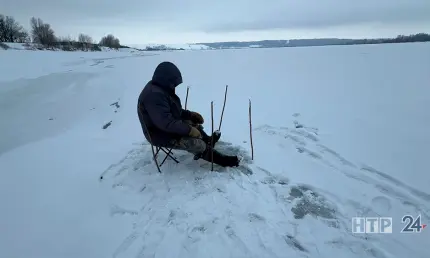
(188, 21)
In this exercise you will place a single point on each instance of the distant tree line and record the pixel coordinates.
(161, 48)
(420, 37)
(44, 36)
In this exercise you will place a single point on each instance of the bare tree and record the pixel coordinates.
(66, 43)
(85, 42)
(11, 30)
(66, 39)
(83, 38)
(2, 28)
(23, 37)
(42, 33)
(110, 41)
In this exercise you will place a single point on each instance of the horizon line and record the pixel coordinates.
(259, 40)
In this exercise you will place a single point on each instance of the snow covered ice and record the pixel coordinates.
(338, 132)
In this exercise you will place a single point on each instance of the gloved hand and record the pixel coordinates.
(197, 118)
(195, 133)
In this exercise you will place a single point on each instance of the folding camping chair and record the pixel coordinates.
(168, 153)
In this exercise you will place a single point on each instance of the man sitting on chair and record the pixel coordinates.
(166, 124)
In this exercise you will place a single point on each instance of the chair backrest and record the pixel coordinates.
(149, 136)
(142, 121)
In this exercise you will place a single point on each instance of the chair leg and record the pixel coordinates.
(158, 150)
(154, 156)
(168, 154)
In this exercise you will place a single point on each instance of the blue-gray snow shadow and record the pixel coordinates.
(137, 173)
(308, 202)
(138, 162)
(306, 141)
(187, 162)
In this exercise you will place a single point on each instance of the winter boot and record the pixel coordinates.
(215, 136)
(220, 159)
(208, 139)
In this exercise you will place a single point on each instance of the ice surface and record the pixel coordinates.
(338, 132)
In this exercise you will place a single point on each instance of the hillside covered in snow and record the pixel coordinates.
(171, 46)
(33, 46)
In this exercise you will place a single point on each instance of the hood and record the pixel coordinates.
(167, 75)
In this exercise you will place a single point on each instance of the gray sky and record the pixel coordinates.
(187, 21)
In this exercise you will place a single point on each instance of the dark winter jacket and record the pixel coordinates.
(159, 108)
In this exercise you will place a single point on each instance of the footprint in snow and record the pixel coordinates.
(270, 180)
(381, 205)
(294, 243)
(255, 217)
(115, 210)
(115, 104)
(107, 125)
(422, 195)
(307, 202)
(312, 154)
(97, 62)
